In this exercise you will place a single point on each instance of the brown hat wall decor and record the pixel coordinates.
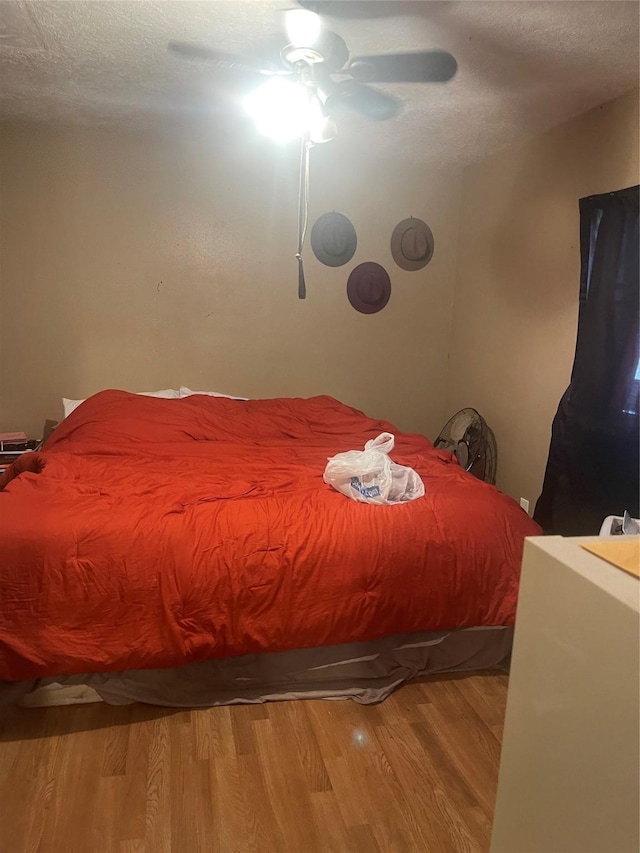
(412, 244)
(369, 288)
(333, 239)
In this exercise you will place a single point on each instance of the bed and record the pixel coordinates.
(187, 551)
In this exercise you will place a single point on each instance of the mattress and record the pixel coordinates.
(151, 533)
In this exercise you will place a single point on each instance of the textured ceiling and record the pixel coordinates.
(523, 66)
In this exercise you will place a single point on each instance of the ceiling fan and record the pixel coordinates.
(301, 82)
(309, 79)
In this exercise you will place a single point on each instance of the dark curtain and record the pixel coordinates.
(593, 465)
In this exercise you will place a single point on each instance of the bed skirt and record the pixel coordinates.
(366, 672)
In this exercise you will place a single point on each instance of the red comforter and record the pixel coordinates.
(153, 532)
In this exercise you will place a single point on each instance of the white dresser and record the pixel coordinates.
(570, 766)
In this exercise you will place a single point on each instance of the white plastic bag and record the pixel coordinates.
(369, 475)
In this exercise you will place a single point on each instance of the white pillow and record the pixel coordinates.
(168, 394)
(187, 392)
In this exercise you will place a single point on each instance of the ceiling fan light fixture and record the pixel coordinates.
(303, 27)
(280, 109)
(292, 55)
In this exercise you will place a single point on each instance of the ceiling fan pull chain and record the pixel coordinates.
(303, 212)
(302, 287)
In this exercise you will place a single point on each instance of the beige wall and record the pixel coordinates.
(152, 261)
(516, 301)
(147, 262)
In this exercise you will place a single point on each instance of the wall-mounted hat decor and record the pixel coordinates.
(369, 287)
(333, 239)
(412, 244)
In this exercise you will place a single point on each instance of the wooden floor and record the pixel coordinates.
(416, 773)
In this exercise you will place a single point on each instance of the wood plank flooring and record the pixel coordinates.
(415, 773)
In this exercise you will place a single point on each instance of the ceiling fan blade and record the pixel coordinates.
(427, 66)
(361, 9)
(228, 61)
(362, 99)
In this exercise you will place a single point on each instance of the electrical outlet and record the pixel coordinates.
(524, 503)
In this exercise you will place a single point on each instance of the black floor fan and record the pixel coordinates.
(468, 436)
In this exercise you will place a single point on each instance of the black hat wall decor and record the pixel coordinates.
(369, 288)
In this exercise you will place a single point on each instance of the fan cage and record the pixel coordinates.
(472, 441)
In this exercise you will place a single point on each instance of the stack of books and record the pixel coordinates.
(13, 445)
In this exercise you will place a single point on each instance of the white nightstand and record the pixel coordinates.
(569, 778)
